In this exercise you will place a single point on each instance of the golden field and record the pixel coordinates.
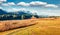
(43, 26)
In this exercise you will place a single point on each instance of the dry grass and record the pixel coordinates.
(12, 24)
(44, 26)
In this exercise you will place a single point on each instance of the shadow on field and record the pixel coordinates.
(18, 27)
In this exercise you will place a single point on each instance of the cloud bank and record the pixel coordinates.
(51, 5)
(33, 3)
(8, 4)
(23, 4)
(1, 1)
(37, 3)
(16, 9)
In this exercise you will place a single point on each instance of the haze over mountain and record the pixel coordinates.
(18, 13)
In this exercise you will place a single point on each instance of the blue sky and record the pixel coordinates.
(49, 1)
(41, 7)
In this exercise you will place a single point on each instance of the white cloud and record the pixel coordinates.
(8, 4)
(1, 8)
(11, 3)
(0, 2)
(38, 3)
(23, 4)
(33, 11)
(49, 12)
(20, 9)
(4, 4)
(3, 0)
(51, 5)
(16, 9)
(32, 3)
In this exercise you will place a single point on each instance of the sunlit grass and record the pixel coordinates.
(43, 27)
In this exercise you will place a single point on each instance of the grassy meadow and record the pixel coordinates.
(43, 26)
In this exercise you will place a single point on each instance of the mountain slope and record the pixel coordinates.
(2, 11)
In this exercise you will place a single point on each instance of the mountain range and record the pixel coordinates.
(17, 13)
(27, 14)
(14, 15)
